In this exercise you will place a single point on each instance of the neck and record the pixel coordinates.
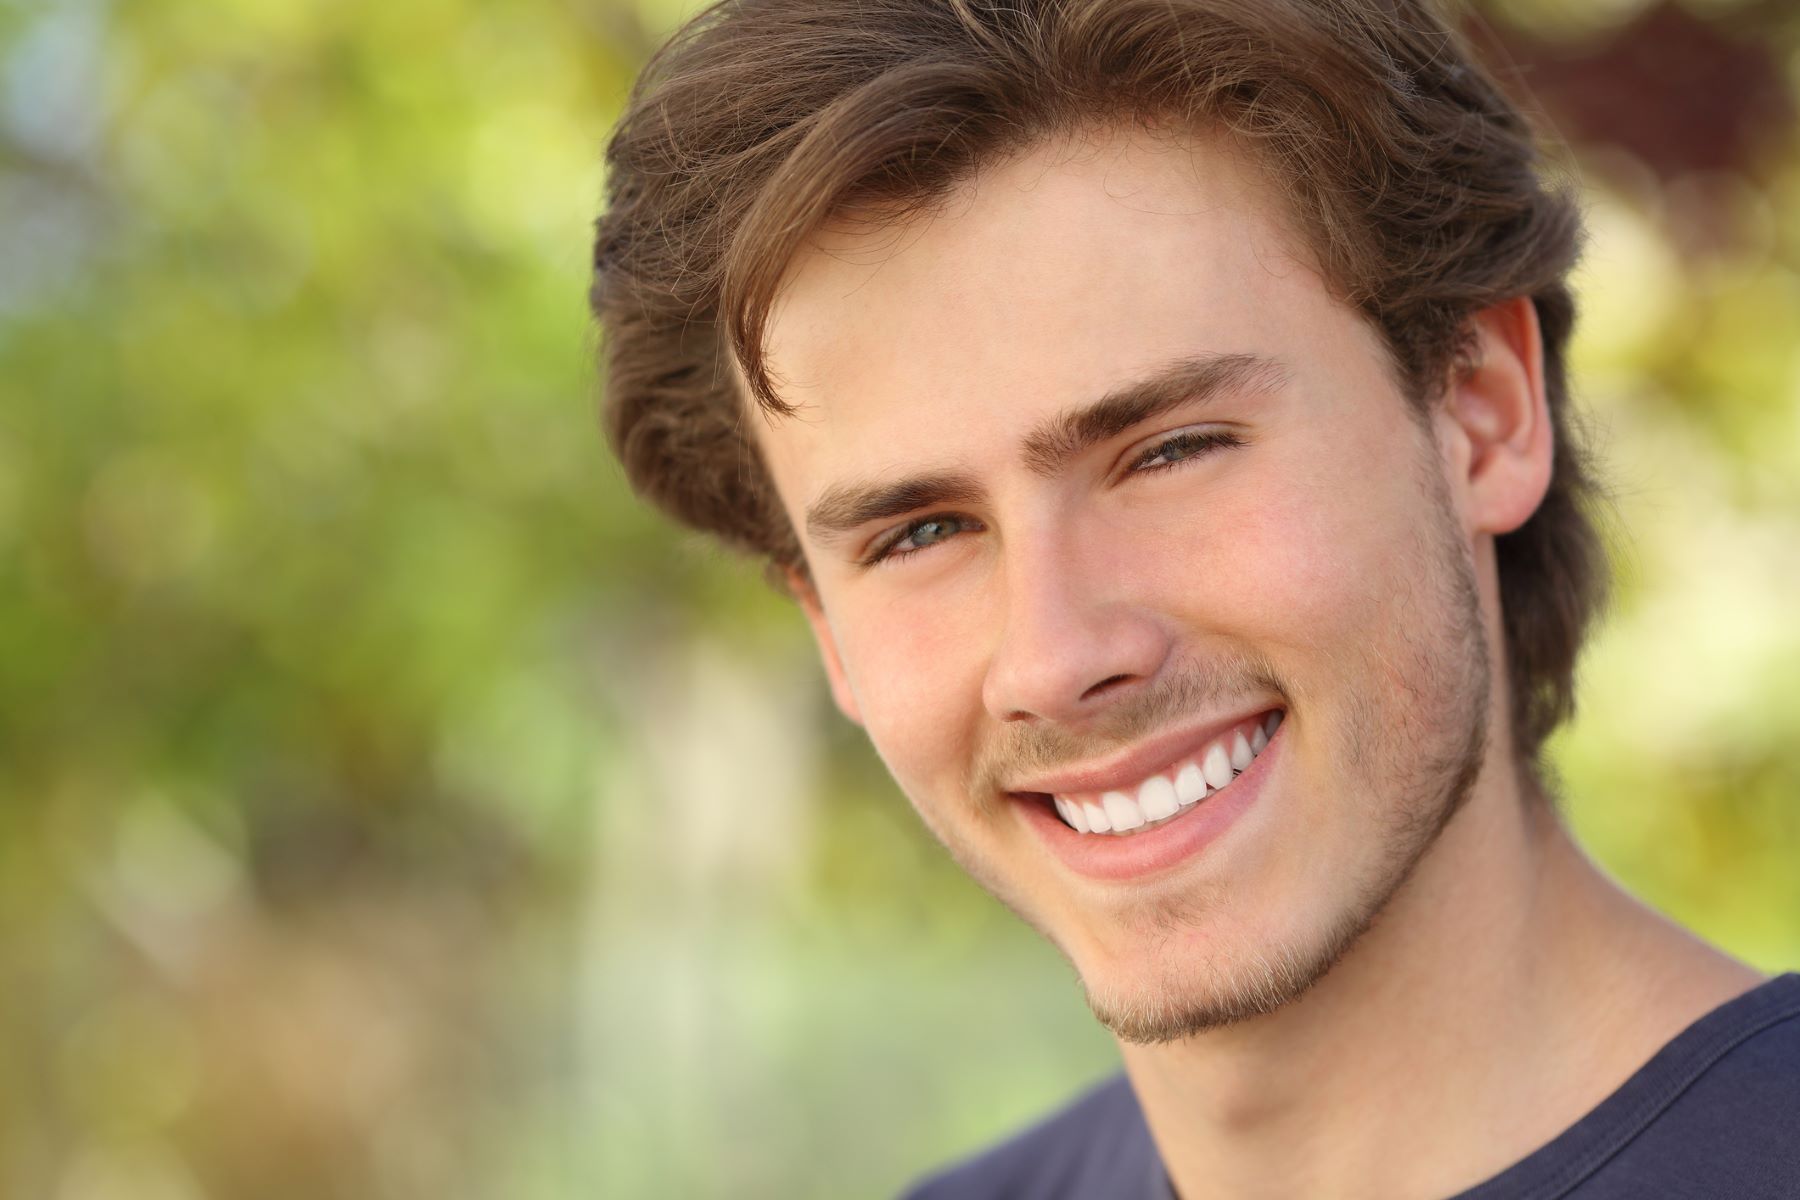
(1508, 987)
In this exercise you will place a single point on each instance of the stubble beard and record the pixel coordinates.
(1430, 756)
(1418, 756)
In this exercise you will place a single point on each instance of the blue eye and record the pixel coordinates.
(928, 531)
(918, 535)
(1183, 447)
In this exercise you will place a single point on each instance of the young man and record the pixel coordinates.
(1157, 409)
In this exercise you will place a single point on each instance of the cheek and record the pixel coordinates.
(1346, 586)
(914, 676)
(1305, 551)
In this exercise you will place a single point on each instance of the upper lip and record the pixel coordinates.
(1138, 762)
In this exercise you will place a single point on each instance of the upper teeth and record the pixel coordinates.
(1161, 797)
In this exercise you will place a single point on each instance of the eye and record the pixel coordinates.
(918, 535)
(1183, 447)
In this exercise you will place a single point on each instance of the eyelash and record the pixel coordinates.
(1198, 443)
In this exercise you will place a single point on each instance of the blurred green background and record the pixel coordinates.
(389, 807)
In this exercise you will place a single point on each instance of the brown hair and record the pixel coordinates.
(1414, 179)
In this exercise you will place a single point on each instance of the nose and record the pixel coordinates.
(1074, 641)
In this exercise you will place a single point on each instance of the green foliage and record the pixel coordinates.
(390, 806)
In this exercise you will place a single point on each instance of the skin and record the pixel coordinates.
(1395, 975)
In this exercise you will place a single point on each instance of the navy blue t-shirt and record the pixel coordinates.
(1715, 1115)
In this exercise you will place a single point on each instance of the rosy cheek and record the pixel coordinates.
(915, 676)
(1307, 554)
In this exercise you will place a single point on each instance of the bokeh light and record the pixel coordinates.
(391, 807)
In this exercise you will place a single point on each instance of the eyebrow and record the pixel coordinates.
(847, 507)
(1048, 449)
(1192, 380)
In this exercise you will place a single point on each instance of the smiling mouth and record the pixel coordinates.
(1166, 795)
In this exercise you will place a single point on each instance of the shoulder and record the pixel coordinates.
(1096, 1145)
(1722, 1117)
(1751, 1071)
(1713, 1113)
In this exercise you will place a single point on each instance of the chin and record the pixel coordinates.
(1194, 974)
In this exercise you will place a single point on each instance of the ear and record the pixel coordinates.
(800, 586)
(1494, 424)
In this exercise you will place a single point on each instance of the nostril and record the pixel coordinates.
(1105, 685)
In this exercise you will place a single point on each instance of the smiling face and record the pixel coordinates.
(1098, 485)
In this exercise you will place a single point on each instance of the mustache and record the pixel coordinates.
(1187, 691)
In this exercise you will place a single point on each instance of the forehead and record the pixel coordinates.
(1040, 284)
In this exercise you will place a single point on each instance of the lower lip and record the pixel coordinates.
(1135, 855)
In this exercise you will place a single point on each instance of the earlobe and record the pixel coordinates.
(800, 586)
(1500, 419)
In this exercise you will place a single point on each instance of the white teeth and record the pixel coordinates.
(1122, 810)
(1157, 799)
(1071, 814)
(1215, 766)
(1190, 785)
